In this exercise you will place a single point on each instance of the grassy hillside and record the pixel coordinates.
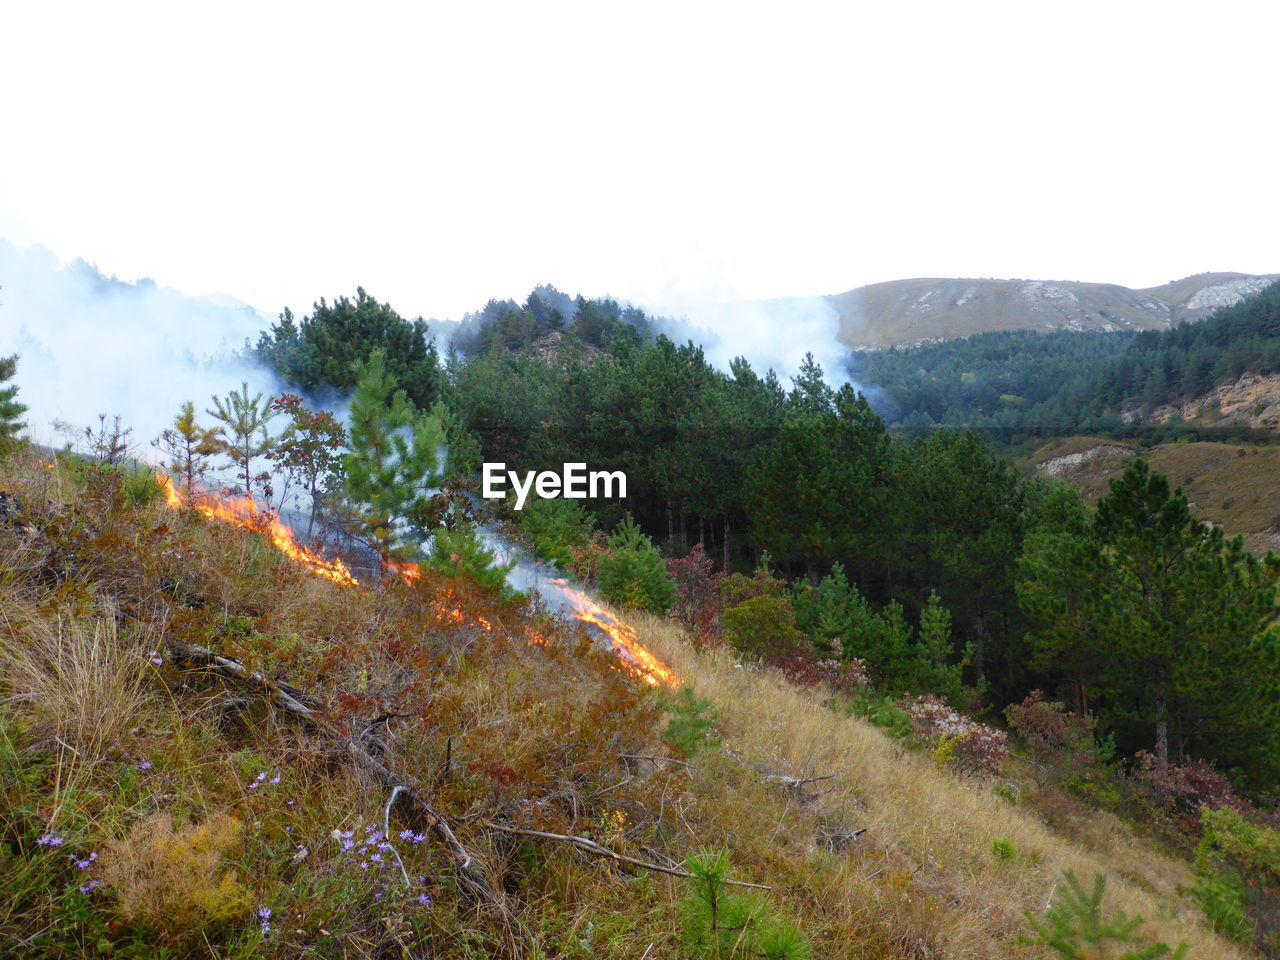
(1231, 485)
(392, 768)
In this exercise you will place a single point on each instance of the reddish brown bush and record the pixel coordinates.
(698, 600)
(975, 747)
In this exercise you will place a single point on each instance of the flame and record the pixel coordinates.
(243, 512)
(643, 663)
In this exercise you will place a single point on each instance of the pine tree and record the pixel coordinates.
(10, 408)
(461, 552)
(243, 436)
(393, 460)
(1074, 928)
(188, 446)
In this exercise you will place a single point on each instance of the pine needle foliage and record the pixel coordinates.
(720, 925)
(1075, 928)
(242, 432)
(10, 409)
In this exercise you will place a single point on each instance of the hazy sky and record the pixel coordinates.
(440, 154)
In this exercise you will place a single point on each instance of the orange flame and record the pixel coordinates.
(643, 663)
(245, 513)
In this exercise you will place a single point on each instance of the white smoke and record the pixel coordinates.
(92, 345)
(771, 334)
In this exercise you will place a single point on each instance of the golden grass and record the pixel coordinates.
(82, 683)
(925, 869)
(1231, 485)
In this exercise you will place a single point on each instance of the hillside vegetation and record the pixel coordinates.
(1230, 485)
(156, 807)
(1059, 383)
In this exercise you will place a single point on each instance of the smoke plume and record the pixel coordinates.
(92, 345)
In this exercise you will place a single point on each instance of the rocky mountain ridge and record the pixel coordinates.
(924, 310)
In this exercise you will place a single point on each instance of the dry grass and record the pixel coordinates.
(82, 683)
(924, 871)
(1231, 485)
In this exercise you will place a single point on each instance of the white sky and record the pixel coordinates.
(440, 154)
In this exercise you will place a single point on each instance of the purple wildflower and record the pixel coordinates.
(375, 858)
(406, 835)
(145, 765)
(49, 840)
(156, 658)
(264, 915)
(84, 864)
(424, 900)
(89, 887)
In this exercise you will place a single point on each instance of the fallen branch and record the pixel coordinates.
(590, 846)
(645, 756)
(795, 783)
(292, 700)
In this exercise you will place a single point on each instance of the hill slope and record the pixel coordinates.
(156, 797)
(921, 310)
(1228, 485)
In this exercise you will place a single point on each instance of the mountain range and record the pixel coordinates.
(910, 312)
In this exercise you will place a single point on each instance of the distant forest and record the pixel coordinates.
(1060, 383)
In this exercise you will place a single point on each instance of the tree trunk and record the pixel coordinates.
(1162, 728)
(979, 650)
(700, 532)
(725, 566)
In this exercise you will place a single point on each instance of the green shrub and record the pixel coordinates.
(461, 553)
(556, 527)
(722, 925)
(692, 724)
(1004, 850)
(764, 627)
(1074, 927)
(633, 574)
(1223, 903)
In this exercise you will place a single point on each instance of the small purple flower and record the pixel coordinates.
(288, 803)
(264, 915)
(145, 765)
(384, 846)
(84, 864)
(406, 835)
(347, 846)
(275, 779)
(364, 865)
(424, 900)
(419, 837)
(49, 840)
(375, 858)
(89, 887)
(155, 657)
(347, 834)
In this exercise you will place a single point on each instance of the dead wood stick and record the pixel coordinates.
(645, 756)
(290, 699)
(793, 783)
(590, 846)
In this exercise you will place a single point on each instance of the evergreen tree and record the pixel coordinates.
(320, 350)
(393, 460)
(10, 409)
(188, 446)
(243, 435)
